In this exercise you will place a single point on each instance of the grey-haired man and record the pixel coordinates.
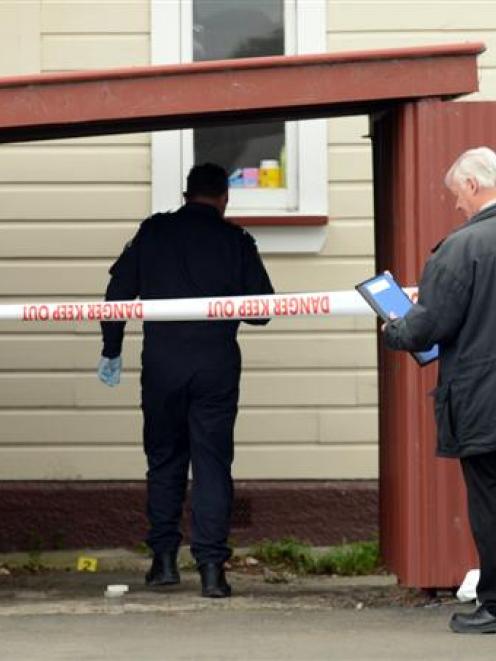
(457, 309)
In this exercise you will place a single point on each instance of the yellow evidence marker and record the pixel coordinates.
(84, 563)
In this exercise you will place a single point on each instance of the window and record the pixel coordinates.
(223, 29)
(277, 169)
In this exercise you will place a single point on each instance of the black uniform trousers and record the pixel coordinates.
(479, 472)
(189, 416)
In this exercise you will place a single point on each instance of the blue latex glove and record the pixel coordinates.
(109, 370)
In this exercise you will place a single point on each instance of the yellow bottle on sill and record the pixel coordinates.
(269, 174)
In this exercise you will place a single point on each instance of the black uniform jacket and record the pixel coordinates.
(457, 309)
(191, 253)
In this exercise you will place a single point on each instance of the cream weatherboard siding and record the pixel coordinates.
(20, 32)
(374, 24)
(66, 208)
(309, 388)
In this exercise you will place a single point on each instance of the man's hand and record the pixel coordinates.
(391, 316)
(109, 370)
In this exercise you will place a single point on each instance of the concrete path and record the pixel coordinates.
(229, 634)
(57, 615)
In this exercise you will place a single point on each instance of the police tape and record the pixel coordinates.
(313, 304)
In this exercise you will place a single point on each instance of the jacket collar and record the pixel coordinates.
(486, 214)
(202, 209)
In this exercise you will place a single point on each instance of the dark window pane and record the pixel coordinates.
(224, 29)
(239, 146)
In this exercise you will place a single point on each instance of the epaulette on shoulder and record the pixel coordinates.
(234, 226)
(247, 234)
(155, 218)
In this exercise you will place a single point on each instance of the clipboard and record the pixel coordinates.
(385, 296)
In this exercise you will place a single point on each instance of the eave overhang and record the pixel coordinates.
(49, 106)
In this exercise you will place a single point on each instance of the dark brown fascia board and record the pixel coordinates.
(50, 106)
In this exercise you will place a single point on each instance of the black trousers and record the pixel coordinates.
(190, 419)
(480, 478)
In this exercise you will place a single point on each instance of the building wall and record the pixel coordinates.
(309, 394)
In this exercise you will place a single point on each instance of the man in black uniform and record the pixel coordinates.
(190, 370)
(457, 309)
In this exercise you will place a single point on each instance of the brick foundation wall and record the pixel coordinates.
(65, 515)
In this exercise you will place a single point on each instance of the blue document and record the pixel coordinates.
(385, 296)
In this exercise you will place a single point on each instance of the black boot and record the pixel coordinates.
(213, 580)
(164, 569)
(479, 621)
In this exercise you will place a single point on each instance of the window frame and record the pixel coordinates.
(307, 162)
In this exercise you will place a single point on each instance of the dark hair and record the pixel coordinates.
(208, 179)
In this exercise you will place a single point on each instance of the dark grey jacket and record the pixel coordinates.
(457, 309)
